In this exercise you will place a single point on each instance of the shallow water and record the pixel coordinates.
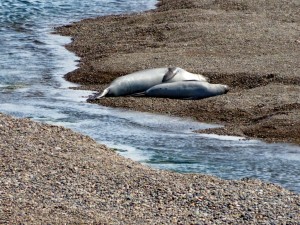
(33, 62)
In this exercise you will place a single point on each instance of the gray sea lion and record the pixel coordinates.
(186, 90)
(141, 81)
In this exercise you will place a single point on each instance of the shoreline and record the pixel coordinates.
(222, 41)
(53, 175)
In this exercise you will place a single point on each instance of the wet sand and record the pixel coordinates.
(252, 46)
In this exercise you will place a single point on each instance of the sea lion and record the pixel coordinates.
(186, 90)
(141, 81)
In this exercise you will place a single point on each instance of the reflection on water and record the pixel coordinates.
(33, 62)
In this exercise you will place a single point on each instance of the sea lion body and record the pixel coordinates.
(141, 81)
(186, 90)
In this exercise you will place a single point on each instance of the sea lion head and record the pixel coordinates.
(226, 88)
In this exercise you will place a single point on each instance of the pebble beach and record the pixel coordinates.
(53, 175)
(251, 46)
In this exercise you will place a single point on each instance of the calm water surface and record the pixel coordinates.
(33, 62)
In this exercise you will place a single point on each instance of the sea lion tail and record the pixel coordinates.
(98, 95)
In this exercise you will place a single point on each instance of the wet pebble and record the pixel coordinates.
(51, 174)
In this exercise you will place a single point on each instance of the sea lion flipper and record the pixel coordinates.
(170, 74)
(98, 95)
(105, 92)
(139, 94)
(190, 98)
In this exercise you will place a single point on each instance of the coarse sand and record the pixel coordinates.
(252, 46)
(52, 175)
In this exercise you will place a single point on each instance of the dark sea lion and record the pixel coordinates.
(186, 90)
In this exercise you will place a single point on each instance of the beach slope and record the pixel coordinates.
(252, 46)
(51, 175)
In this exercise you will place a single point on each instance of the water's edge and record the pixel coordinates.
(32, 85)
(187, 166)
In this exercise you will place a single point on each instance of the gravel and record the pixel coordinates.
(252, 46)
(53, 175)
